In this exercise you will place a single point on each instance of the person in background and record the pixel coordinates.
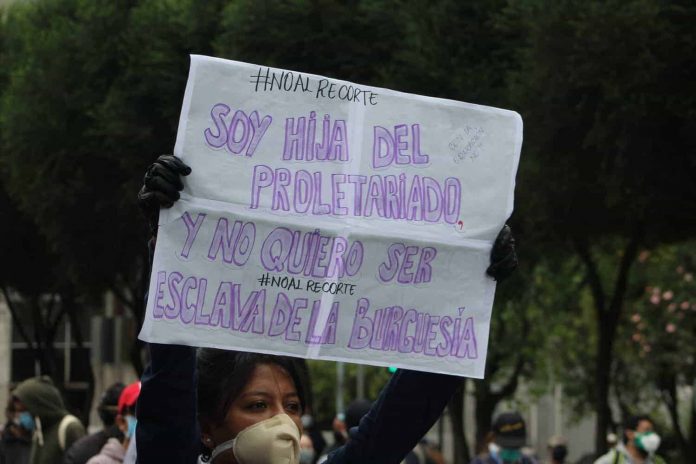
(40, 406)
(340, 432)
(639, 446)
(307, 453)
(86, 447)
(114, 451)
(558, 449)
(424, 453)
(529, 452)
(354, 412)
(345, 421)
(508, 436)
(433, 454)
(15, 443)
(310, 429)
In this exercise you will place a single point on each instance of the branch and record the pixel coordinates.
(53, 324)
(583, 250)
(16, 319)
(492, 365)
(122, 297)
(49, 310)
(511, 385)
(669, 397)
(621, 282)
(494, 356)
(39, 327)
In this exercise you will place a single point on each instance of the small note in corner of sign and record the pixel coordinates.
(467, 143)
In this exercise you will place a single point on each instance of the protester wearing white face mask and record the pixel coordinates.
(639, 445)
(114, 451)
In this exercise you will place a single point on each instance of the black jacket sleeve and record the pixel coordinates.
(406, 409)
(167, 428)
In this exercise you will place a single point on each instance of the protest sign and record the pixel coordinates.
(330, 220)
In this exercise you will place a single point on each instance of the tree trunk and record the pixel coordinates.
(44, 344)
(607, 316)
(603, 382)
(485, 405)
(668, 386)
(17, 321)
(691, 452)
(137, 305)
(462, 455)
(72, 313)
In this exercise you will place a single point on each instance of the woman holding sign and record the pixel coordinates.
(219, 406)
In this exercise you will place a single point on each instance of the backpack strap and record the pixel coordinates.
(617, 457)
(66, 422)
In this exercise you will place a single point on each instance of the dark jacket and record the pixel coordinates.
(91, 445)
(168, 430)
(42, 399)
(14, 449)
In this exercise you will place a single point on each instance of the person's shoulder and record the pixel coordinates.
(85, 447)
(100, 459)
(74, 429)
(481, 459)
(607, 458)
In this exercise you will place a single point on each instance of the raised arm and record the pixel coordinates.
(406, 409)
(412, 401)
(167, 428)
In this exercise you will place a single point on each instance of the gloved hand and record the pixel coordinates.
(161, 187)
(503, 255)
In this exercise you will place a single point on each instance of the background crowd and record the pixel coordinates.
(39, 430)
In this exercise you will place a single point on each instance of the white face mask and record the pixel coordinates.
(649, 442)
(271, 441)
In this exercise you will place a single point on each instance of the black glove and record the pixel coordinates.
(503, 255)
(161, 187)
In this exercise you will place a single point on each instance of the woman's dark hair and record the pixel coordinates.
(559, 453)
(222, 375)
(108, 404)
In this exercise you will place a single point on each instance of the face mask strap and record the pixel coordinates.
(221, 448)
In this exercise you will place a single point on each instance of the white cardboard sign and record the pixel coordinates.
(330, 220)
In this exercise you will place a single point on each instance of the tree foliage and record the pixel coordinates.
(608, 163)
(658, 342)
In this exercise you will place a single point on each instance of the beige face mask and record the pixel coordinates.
(271, 441)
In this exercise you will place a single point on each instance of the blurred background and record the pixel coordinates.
(598, 323)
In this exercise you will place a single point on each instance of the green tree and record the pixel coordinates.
(52, 149)
(607, 160)
(38, 296)
(324, 386)
(658, 342)
(79, 124)
(346, 40)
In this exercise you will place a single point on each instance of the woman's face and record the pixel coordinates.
(270, 391)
